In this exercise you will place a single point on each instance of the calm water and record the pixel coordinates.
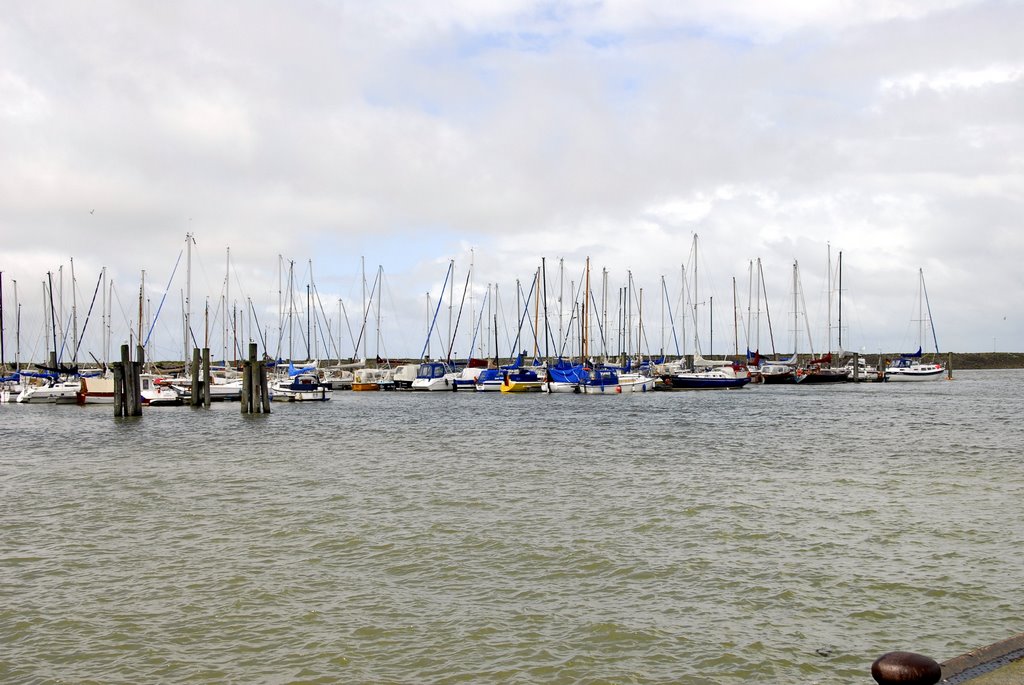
(774, 535)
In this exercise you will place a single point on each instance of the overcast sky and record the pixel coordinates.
(408, 134)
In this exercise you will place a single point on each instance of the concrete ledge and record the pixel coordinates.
(999, 664)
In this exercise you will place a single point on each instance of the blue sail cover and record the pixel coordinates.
(12, 378)
(292, 371)
(572, 374)
(915, 355)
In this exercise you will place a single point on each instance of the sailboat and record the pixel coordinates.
(911, 367)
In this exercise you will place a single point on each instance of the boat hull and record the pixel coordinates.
(700, 382)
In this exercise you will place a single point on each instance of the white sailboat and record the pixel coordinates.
(911, 367)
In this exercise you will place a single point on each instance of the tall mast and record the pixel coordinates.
(544, 278)
(74, 315)
(604, 312)
(60, 308)
(17, 328)
(366, 312)
(109, 288)
(735, 320)
(585, 335)
(840, 301)
(3, 362)
(828, 292)
(537, 311)
(188, 299)
(561, 299)
(227, 300)
(796, 312)
(53, 317)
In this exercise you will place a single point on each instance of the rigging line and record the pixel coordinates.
(440, 299)
(162, 298)
(767, 310)
(476, 330)
(88, 314)
(573, 315)
(525, 314)
(320, 320)
(600, 328)
(671, 319)
(458, 318)
(259, 330)
(327, 337)
(366, 312)
(928, 307)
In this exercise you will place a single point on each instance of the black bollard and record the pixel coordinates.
(905, 668)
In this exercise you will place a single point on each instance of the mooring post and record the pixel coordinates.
(905, 668)
(126, 379)
(196, 396)
(207, 379)
(118, 388)
(246, 398)
(140, 360)
(264, 387)
(949, 366)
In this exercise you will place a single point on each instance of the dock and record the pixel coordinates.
(1001, 663)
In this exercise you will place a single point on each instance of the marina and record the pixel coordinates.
(770, 534)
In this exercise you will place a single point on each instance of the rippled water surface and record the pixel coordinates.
(772, 534)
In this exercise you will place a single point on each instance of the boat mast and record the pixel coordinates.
(931, 322)
(544, 277)
(735, 320)
(604, 313)
(227, 301)
(142, 290)
(840, 321)
(3, 362)
(53, 318)
(828, 291)
(362, 261)
(188, 299)
(380, 290)
(796, 313)
(17, 327)
(536, 313)
(108, 293)
(682, 306)
(74, 315)
(585, 335)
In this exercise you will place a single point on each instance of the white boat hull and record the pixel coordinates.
(925, 373)
(625, 385)
(434, 384)
(65, 392)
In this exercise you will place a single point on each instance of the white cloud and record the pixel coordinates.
(948, 80)
(408, 133)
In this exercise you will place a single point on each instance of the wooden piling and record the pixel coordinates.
(136, 396)
(195, 397)
(255, 393)
(207, 379)
(118, 389)
(246, 398)
(949, 366)
(264, 387)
